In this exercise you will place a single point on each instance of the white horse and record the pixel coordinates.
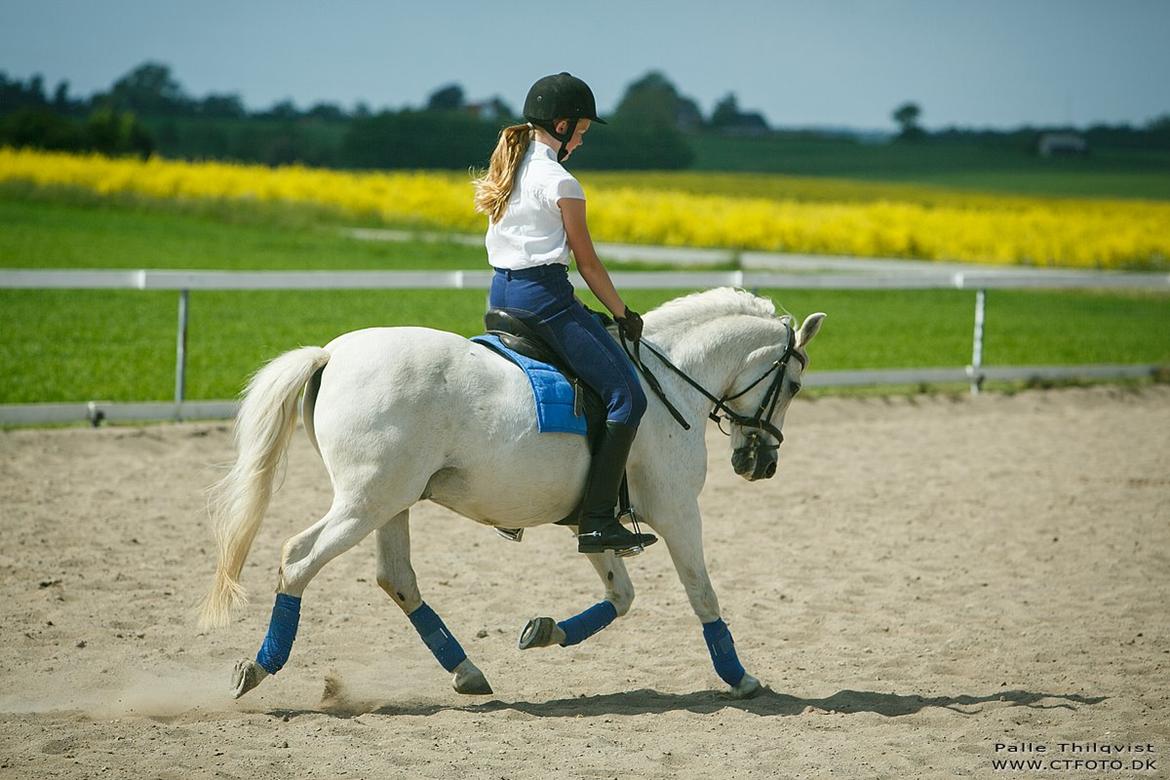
(403, 414)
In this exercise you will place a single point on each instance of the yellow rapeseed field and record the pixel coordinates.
(987, 229)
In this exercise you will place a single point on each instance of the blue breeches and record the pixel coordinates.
(543, 298)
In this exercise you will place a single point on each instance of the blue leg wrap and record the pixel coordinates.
(722, 649)
(282, 630)
(580, 627)
(436, 636)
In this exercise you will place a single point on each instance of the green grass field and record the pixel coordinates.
(968, 166)
(66, 345)
(39, 233)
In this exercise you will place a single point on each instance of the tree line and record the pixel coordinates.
(1154, 134)
(147, 111)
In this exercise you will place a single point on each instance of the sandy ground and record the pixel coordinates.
(925, 578)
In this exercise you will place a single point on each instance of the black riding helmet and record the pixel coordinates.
(561, 96)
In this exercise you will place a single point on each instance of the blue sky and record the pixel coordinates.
(983, 63)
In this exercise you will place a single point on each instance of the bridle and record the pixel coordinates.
(760, 421)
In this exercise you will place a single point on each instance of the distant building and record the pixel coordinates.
(1062, 145)
(750, 124)
(493, 110)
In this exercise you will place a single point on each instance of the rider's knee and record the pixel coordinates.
(637, 403)
(629, 405)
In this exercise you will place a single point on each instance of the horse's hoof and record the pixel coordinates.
(470, 680)
(541, 632)
(246, 676)
(746, 688)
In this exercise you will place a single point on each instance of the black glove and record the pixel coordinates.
(630, 325)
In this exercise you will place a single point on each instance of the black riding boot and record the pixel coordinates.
(599, 529)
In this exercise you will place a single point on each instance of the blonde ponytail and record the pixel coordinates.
(494, 187)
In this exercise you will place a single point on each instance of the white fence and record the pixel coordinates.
(185, 281)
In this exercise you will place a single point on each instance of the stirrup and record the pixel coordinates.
(636, 542)
(511, 534)
(633, 547)
(641, 548)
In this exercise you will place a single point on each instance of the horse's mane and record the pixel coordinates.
(710, 304)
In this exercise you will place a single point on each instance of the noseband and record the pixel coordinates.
(760, 421)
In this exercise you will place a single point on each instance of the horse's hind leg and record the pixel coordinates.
(302, 557)
(619, 595)
(396, 577)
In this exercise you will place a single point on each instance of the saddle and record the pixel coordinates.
(516, 335)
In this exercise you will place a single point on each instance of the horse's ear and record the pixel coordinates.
(808, 329)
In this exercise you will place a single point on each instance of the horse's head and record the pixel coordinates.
(759, 397)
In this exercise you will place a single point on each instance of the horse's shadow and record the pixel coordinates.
(767, 703)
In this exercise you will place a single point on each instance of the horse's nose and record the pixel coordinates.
(765, 466)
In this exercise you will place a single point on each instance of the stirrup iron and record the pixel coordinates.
(622, 552)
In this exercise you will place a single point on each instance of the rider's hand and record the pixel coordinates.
(630, 324)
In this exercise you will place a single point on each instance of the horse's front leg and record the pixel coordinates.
(619, 595)
(396, 577)
(684, 539)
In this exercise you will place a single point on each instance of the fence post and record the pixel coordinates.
(181, 353)
(975, 369)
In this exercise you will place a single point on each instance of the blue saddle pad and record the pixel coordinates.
(551, 391)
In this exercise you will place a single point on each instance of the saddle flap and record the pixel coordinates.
(516, 335)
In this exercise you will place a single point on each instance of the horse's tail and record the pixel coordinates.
(263, 428)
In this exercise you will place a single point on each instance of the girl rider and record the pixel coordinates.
(536, 212)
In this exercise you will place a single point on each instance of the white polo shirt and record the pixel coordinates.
(531, 232)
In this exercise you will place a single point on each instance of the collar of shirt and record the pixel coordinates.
(539, 147)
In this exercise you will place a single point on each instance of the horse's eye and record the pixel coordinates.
(795, 388)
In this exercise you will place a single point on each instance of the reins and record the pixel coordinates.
(652, 381)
